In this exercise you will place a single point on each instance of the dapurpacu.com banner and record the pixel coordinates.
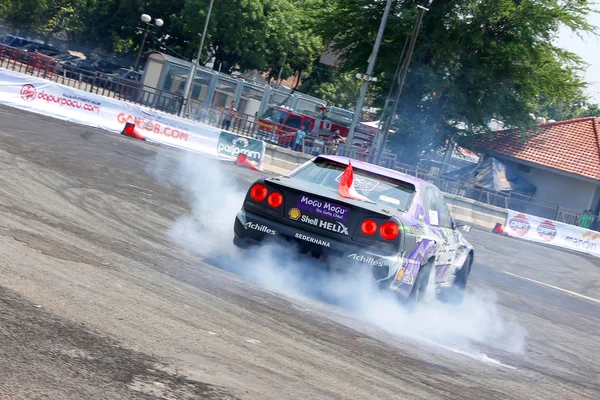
(559, 234)
(59, 101)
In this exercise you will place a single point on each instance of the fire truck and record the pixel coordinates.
(279, 125)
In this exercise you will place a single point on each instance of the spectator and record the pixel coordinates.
(586, 219)
(229, 114)
(334, 141)
(300, 133)
(318, 145)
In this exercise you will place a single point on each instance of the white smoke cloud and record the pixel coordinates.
(214, 200)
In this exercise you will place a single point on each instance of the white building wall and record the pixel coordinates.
(568, 192)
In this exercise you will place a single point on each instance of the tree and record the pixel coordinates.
(256, 34)
(474, 60)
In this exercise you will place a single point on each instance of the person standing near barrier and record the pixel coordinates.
(229, 114)
(335, 140)
(586, 219)
(300, 133)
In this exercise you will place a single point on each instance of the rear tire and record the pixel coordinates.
(420, 287)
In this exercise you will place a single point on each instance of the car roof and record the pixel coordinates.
(376, 169)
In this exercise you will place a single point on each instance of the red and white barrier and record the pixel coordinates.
(537, 229)
(59, 101)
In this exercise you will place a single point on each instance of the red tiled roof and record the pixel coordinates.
(571, 146)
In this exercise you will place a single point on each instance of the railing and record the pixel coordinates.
(109, 85)
(112, 86)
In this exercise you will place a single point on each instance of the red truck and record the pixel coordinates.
(279, 124)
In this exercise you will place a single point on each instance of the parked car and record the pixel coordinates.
(31, 48)
(16, 41)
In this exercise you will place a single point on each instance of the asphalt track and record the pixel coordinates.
(98, 301)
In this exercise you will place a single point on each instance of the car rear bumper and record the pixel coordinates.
(254, 229)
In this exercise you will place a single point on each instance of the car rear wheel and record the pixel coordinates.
(420, 287)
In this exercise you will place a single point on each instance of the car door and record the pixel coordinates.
(441, 224)
(450, 246)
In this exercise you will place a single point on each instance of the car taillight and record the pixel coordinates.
(275, 199)
(389, 230)
(368, 227)
(258, 192)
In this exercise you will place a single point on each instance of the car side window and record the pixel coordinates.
(442, 207)
(431, 206)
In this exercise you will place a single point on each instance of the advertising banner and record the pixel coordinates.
(74, 105)
(232, 145)
(543, 230)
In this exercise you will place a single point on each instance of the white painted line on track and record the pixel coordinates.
(554, 287)
(475, 356)
(141, 188)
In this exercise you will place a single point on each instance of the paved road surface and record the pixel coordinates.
(118, 280)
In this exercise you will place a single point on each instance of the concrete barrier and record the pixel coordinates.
(475, 213)
(279, 160)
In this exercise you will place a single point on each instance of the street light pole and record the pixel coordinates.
(370, 68)
(187, 92)
(422, 8)
(145, 18)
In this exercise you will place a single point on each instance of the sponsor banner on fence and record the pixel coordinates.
(232, 145)
(543, 230)
(78, 106)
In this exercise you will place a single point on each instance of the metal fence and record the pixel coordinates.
(248, 125)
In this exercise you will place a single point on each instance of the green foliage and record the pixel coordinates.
(474, 61)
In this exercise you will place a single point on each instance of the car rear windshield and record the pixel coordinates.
(378, 188)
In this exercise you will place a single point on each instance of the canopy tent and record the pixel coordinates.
(493, 175)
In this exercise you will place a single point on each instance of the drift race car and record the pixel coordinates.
(359, 215)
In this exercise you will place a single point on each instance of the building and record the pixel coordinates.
(562, 159)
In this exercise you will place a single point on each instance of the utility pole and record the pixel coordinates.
(187, 92)
(422, 8)
(370, 68)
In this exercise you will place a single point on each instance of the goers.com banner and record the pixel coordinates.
(74, 105)
(543, 230)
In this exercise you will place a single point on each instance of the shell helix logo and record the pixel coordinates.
(294, 213)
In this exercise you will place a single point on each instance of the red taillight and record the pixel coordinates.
(258, 192)
(369, 227)
(275, 199)
(388, 230)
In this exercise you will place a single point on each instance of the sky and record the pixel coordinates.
(588, 48)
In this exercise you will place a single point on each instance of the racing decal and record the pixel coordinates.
(413, 262)
(311, 239)
(365, 259)
(547, 230)
(409, 278)
(260, 228)
(441, 271)
(520, 224)
(294, 213)
(323, 208)
(400, 275)
(336, 226)
(361, 183)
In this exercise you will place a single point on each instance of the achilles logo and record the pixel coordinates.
(366, 260)
(337, 227)
(260, 228)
